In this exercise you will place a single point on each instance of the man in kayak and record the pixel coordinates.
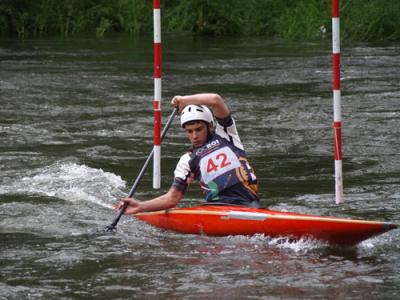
(217, 159)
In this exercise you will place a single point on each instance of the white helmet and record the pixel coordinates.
(196, 113)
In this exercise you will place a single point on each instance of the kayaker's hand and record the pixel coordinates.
(133, 205)
(178, 101)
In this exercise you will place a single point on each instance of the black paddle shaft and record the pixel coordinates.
(112, 226)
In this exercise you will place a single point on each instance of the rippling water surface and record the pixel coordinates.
(76, 127)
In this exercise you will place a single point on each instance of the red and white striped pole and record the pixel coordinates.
(157, 95)
(337, 117)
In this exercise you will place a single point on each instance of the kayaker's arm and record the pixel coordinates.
(168, 200)
(214, 101)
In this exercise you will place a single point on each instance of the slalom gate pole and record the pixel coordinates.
(157, 95)
(337, 118)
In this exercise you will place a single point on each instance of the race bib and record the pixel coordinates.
(217, 163)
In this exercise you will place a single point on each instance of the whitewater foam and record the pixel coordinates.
(302, 245)
(71, 182)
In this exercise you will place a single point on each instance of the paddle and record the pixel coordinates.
(112, 226)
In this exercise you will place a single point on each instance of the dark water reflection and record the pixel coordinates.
(76, 126)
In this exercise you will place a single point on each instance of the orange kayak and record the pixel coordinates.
(232, 220)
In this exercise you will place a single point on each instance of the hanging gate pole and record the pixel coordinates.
(337, 118)
(157, 95)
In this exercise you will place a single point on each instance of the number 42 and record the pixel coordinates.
(221, 161)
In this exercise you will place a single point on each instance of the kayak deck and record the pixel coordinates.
(232, 220)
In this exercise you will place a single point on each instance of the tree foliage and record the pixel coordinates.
(290, 19)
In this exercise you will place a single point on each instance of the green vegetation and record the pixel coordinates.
(362, 20)
(72, 17)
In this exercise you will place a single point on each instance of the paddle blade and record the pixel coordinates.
(113, 226)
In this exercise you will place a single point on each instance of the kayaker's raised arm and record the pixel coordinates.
(214, 101)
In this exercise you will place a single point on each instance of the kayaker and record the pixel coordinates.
(217, 158)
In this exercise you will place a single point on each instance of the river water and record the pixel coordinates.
(76, 127)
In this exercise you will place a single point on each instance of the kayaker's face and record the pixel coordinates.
(197, 132)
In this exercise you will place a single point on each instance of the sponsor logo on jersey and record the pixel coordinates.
(207, 147)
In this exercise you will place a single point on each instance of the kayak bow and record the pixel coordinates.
(232, 220)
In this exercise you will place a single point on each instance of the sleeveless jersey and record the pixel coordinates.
(221, 167)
